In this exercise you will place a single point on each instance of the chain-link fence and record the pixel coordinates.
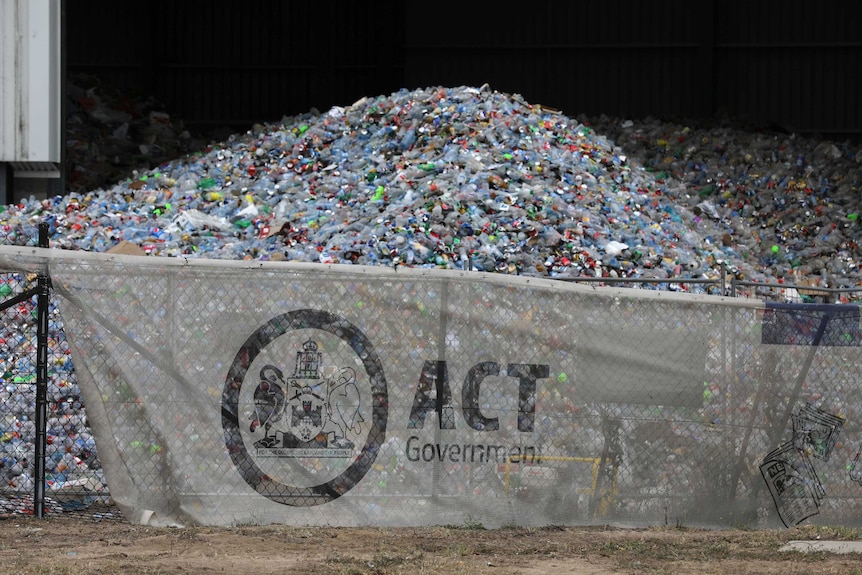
(73, 478)
(49, 459)
(794, 293)
(18, 396)
(241, 395)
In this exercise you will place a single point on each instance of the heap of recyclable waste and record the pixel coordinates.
(459, 178)
(471, 178)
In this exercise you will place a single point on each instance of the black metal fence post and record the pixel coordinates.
(44, 287)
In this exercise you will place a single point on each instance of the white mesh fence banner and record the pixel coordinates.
(230, 393)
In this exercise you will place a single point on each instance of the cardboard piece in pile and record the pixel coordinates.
(127, 248)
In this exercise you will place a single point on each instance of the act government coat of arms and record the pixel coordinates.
(304, 408)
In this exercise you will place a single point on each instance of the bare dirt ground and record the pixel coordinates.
(30, 546)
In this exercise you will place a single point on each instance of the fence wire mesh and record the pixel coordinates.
(210, 397)
(74, 479)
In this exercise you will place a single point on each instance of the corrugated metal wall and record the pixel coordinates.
(774, 63)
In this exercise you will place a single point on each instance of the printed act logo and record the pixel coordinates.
(304, 408)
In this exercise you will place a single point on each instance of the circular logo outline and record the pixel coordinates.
(304, 496)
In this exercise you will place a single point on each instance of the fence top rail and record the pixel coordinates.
(798, 287)
(29, 258)
(9, 255)
(670, 280)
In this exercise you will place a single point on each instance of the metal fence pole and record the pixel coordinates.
(44, 286)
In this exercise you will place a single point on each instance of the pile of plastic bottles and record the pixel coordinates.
(110, 133)
(470, 178)
(790, 205)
